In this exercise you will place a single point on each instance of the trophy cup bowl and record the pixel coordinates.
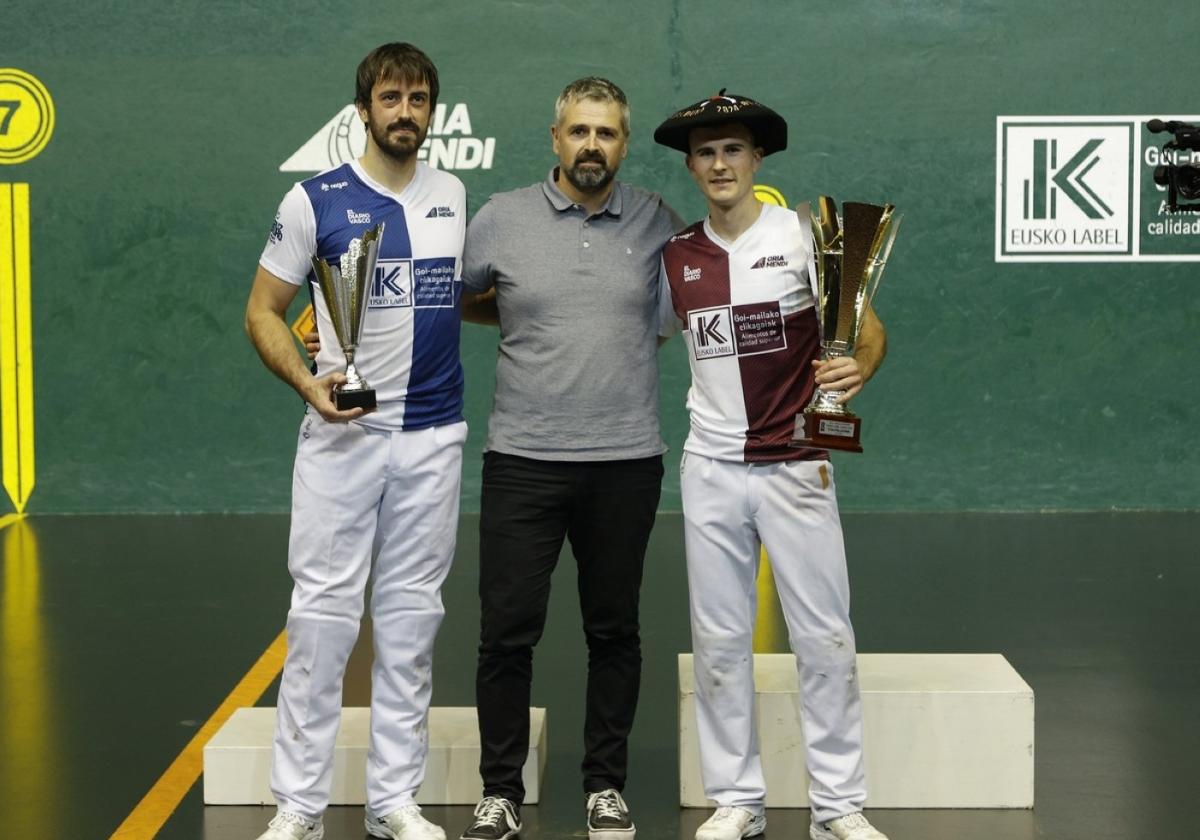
(346, 288)
(851, 251)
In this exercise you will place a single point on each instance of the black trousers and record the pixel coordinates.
(606, 509)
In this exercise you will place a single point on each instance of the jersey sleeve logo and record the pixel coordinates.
(276, 235)
(440, 212)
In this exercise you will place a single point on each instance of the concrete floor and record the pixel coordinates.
(121, 635)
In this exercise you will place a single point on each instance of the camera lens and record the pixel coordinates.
(1187, 182)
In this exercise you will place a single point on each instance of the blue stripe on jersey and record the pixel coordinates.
(344, 207)
(435, 364)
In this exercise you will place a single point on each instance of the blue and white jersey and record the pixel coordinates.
(408, 351)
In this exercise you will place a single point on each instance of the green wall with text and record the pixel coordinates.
(1008, 386)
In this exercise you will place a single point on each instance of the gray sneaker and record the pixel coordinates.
(496, 818)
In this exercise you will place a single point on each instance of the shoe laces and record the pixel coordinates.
(855, 820)
(726, 813)
(404, 814)
(286, 818)
(855, 826)
(607, 803)
(490, 811)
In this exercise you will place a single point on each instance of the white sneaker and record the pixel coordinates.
(730, 822)
(850, 827)
(289, 826)
(404, 824)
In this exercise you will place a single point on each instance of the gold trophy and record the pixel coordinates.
(851, 251)
(346, 288)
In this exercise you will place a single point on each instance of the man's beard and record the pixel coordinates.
(402, 149)
(590, 180)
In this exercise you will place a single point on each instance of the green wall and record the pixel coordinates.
(1007, 386)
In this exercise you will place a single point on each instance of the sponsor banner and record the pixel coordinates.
(433, 283)
(1081, 189)
(746, 329)
(450, 145)
(420, 283)
(758, 328)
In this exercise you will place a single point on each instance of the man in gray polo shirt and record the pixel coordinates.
(573, 449)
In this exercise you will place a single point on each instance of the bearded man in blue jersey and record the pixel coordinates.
(381, 486)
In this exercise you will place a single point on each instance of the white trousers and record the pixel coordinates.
(358, 493)
(730, 510)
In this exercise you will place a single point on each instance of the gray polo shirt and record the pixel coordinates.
(577, 373)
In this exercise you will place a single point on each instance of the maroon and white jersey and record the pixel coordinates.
(746, 308)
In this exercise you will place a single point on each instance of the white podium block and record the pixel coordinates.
(237, 760)
(941, 731)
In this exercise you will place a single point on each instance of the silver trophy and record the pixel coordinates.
(851, 252)
(346, 288)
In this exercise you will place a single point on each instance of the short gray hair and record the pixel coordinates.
(592, 87)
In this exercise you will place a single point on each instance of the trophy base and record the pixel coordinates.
(817, 430)
(363, 398)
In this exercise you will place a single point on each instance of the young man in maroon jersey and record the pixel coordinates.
(738, 283)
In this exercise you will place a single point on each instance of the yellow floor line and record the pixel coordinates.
(9, 518)
(161, 800)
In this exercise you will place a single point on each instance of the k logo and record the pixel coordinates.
(709, 329)
(392, 285)
(1041, 196)
(1064, 188)
(712, 332)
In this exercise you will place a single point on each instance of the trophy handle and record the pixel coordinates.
(827, 246)
(827, 219)
(881, 249)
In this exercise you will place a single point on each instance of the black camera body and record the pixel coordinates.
(1182, 180)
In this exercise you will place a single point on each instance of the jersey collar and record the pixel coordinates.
(399, 198)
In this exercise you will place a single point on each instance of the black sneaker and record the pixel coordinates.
(495, 819)
(608, 817)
